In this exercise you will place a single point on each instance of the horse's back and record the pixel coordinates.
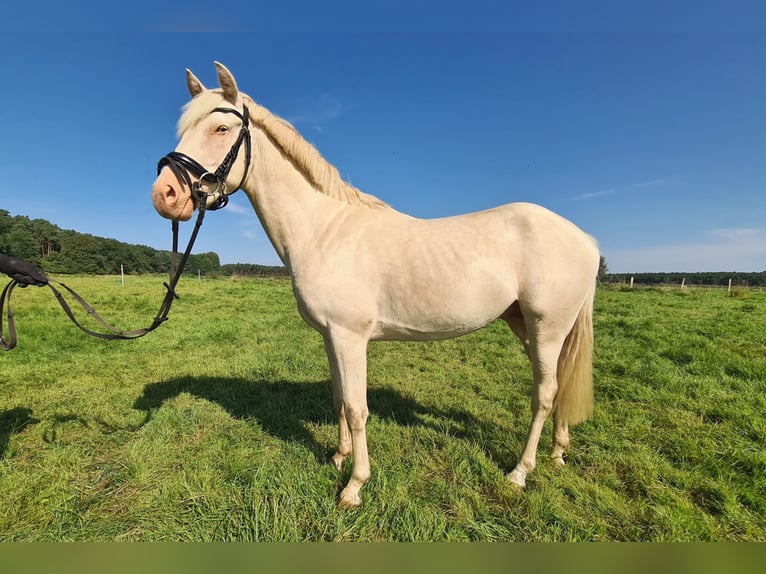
(525, 236)
(444, 277)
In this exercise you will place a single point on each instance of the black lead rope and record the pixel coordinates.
(182, 166)
(114, 333)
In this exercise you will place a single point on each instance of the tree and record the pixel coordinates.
(5, 223)
(46, 235)
(20, 241)
(602, 270)
(207, 263)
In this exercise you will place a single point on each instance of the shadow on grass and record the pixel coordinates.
(285, 408)
(13, 421)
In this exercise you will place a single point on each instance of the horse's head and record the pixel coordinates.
(207, 164)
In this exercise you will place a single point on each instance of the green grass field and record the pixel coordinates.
(219, 425)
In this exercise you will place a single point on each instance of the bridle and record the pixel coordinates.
(183, 167)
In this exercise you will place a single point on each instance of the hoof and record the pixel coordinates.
(518, 478)
(558, 461)
(349, 500)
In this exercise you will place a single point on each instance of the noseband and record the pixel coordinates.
(184, 166)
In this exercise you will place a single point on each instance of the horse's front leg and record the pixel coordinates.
(344, 433)
(348, 352)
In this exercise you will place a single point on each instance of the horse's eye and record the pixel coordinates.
(222, 129)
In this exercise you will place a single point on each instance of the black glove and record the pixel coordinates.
(24, 273)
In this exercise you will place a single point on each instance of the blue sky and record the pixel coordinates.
(646, 126)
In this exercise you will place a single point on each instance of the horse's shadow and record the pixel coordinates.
(12, 422)
(287, 409)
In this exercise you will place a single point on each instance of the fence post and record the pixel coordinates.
(729, 289)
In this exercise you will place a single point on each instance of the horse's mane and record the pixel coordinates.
(319, 172)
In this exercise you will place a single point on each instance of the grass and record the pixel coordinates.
(219, 425)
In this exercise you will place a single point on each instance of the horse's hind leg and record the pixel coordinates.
(515, 320)
(560, 440)
(544, 351)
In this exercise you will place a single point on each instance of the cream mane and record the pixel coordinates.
(319, 172)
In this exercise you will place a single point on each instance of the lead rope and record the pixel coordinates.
(162, 314)
(180, 164)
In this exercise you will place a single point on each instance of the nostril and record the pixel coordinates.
(170, 192)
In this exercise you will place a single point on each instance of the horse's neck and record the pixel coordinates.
(291, 212)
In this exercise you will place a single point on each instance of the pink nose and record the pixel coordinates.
(169, 197)
(163, 195)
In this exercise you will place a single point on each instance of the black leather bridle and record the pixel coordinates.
(183, 167)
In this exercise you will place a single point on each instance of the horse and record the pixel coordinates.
(362, 271)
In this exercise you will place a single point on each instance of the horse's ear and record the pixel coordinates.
(226, 80)
(193, 83)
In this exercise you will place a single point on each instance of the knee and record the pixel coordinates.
(356, 415)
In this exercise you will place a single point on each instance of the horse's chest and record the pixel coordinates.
(323, 304)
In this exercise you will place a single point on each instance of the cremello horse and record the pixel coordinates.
(362, 271)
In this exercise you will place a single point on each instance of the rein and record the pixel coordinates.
(182, 166)
(114, 333)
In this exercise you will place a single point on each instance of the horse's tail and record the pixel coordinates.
(574, 400)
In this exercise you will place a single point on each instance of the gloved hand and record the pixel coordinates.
(24, 273)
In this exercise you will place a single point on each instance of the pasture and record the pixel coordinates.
(219, 425)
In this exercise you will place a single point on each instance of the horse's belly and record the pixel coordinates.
(398, 331)
(440, 311)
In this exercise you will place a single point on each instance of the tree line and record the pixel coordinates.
(710, 278)
(253, 270)
(62, 251)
